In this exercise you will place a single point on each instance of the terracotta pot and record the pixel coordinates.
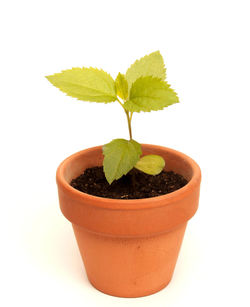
(129, 247)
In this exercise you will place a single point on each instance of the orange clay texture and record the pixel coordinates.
(129, 247)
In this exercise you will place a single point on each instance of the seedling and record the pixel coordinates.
(142, 89)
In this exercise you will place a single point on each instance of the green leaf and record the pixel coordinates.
(150, 65)
(89, 84)
(151, 164)
(150, 94)
(120, 156)
(121, 86)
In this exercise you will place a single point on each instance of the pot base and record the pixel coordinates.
(144, 293)
(129, 266)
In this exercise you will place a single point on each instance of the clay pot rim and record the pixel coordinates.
(130, 204)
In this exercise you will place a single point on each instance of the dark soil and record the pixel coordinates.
(134, 185)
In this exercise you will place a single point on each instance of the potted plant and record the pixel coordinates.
(128, 203)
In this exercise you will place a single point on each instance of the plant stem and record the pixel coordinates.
(129, 118)
(129, 124)
(120, 102)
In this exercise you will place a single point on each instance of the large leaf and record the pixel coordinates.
(151, 164)
(89, 84)
(150, 94)
(150, 65)
(121, 86)
(120, 156)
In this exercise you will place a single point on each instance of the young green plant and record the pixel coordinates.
(142, 89)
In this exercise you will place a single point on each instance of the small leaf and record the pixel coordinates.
(121, 86)
(151, 164)
(89, 84)
(120, 156)
(150, 94)
(150, 65)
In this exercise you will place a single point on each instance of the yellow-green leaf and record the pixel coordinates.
(89, 84)
(149, 65)
(120, 156)
(121, 86)
(150, 94)
(151, 164)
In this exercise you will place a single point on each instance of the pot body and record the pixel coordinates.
(129, 247)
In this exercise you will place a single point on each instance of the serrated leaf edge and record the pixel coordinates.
(162, 81)
(144, 57)
(102, 93)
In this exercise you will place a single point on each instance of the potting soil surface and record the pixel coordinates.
(134, 185)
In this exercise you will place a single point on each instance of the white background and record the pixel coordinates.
(205, 45)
